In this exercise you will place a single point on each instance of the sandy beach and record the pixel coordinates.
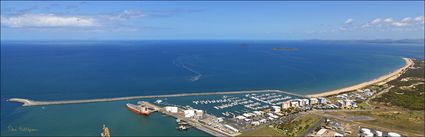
(380, 80)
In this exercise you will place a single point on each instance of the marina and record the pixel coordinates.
(28, 102)
(87, 105)
(224, 115)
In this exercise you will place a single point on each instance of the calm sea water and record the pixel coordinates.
(58, 70)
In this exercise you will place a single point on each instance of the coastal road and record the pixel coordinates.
(379, 93)
(312, 127)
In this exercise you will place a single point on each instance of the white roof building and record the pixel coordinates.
(220, 119)
(338, 135)
(231, 128)
(276, 109)
(256, 123)
(313, 101)
(258, 112)
(286, 105)
(240, 117)
(364, 130)
(378, 133)
(199, 112)
(392, 134)
(321, 132)
(189, 113)
(305, 101)
(171, 109)
(248, 114)
(273, 116)
(294, 103)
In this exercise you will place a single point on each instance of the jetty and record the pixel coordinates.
(29, 102)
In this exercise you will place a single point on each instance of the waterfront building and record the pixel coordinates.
(294, 103)
(313, 101)
(347, 103)
(392, 134)
(340, 103)
(367, 92)
(276, 109)
(240, 117)
(258, 113)
(354, 104)
(300, 102)
(322, 100)
(272, 115)
(171, 109)
(248, 115)
(189, 113)
(231, 128)
(286, 105)
(199, 113)
(220, 119)
(305, 101)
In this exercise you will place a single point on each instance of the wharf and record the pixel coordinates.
(192, 122)
(28, 102)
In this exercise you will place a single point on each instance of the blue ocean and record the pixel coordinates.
(64, 70)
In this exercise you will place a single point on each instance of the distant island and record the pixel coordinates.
(379, 41)
(284, 49)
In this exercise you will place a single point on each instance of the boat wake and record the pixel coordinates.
(179, 63)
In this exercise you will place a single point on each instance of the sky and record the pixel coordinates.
(226, 20)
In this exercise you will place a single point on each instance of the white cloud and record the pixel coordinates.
(419, 18)
(388, 20)
(400, 24)
(365, 25)
(406, 19)
(376, 21)
(349, 21)
(128, 14)
(47, 20)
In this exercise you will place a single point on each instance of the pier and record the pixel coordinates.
(28, 102)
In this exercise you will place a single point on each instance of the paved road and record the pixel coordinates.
(311, 128)
(379, 93)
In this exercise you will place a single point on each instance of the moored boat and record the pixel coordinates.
(139, 109)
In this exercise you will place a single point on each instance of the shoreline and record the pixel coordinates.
(380, 80)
